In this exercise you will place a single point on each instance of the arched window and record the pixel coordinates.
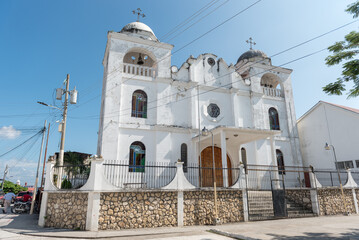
(137, 157)
(139, 104)
(280, 162)
(273, 119)
(184, 156)
(244, 157)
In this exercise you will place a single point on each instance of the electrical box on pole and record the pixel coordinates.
(59, 93)
(73, 96)
(60, 127)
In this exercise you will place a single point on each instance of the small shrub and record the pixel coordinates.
(66, 184)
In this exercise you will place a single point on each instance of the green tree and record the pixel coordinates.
(13, 187)
(347, 51)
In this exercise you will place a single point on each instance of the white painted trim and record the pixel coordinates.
(180, 209)
(93, 211)
(43, 209)
(97, 181)
(315, 202)
(350, 182)
(180, 181)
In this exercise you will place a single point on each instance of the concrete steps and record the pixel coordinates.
(296, 210)
(260, 205)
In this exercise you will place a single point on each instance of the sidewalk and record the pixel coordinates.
(327, 227)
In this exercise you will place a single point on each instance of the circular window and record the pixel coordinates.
(211, 61)
(213, 110)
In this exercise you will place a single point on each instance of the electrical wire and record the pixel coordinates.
(38, 133)
(186, 45)
(214, 88)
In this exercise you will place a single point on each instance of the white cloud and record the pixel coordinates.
(22, 170)
(9, 132)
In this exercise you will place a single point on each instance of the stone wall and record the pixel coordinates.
(66, 210)
(199, 207)
(300, 196)
(125, 210)
(331, 202)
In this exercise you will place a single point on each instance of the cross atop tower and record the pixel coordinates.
(250, 43)
(139, 14)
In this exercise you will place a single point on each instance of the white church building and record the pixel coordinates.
(152, 111)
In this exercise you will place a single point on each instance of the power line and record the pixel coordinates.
(214, 88)
(283, 51)
(37, 134)
(155, 45)
(186, 45)
(199, 20)
(187, 20)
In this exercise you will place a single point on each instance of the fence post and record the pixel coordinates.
(95, 184)
(179, 183)
(48, 187)
(315, 184)
(243, 186)
(352, 184)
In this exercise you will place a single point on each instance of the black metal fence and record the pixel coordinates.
(159, 174)
(204, 176)
(263, 177)
(150, 175)
(330, 178)
(72, 177)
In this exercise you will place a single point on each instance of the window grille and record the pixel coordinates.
(273, 119)
(139, 104)
(137, 157)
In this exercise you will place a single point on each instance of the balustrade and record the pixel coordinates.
(138, 70)
(272, 92)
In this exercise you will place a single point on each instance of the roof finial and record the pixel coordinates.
(139, 14)
(251, 43)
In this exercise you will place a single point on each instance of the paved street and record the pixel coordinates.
(329, 227)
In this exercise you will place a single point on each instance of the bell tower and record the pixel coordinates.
(135, 62)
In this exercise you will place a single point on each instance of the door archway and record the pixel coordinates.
(207, 167)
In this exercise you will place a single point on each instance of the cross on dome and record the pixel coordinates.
(139, 14)
(250, 43)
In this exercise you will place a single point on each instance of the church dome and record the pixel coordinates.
(252, 54)
(140, 30)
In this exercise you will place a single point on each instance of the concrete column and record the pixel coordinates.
(315, 202)
(180, 210)
(355, 200)
(93, 211)
(245, 205)
(224, 158)
(95, 184)
(48, 187)
(274, 161)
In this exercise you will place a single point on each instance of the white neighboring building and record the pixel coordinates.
(152, 112)
(333, 124)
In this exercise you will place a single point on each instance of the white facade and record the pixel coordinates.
(178, 102)
(332, 124)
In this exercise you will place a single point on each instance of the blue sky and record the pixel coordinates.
(42, 41)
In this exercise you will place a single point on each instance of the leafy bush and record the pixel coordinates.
(66, 184)
(13, 187)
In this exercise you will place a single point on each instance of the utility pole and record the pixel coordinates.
(73, 100)
(37, 172)
(63, 132)
(3, 179)
(43, 166)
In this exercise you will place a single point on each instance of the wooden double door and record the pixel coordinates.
(206, 173)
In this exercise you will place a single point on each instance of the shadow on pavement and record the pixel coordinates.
(24, 223)
(352, 235)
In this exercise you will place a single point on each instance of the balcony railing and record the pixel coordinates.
(272, 92)
(138, 70)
